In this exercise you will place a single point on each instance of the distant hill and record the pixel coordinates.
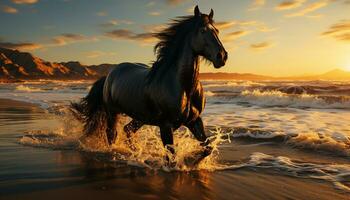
(336, 74)
(16, 65)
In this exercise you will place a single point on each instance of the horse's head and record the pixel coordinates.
(205, 41)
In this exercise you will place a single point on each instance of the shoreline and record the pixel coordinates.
(81, 176)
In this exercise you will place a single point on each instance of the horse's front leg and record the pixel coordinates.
(166, 134)
(197, 129)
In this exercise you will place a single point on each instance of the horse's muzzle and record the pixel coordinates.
(221, 58)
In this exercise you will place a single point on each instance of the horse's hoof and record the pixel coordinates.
(207, 151)
(169, 164)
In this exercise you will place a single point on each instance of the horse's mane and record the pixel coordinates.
(171, 38)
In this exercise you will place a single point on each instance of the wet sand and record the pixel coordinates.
(27, 172)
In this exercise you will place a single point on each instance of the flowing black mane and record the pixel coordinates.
(172, 38)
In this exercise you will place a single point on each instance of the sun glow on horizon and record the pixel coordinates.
(347, 67)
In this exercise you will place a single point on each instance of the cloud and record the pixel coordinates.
(24, 1)
(261, 46)
(150, 4)
(154, 13)
(339, 31)
(309, 8)
(68, 38)
(126, 34)
(256, 4)
(175, 2)
(229, 24)
(102, 14)
(20, 45)
(96, 54)
(225, 24)
(112, 22)
(8, 9)
(265, 29)
(289, 4)
(115, 22)
(235, 35)
(154, 28)
(259, 26)
(190, 10)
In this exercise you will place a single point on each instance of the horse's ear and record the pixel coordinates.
(211, 14)
(197, 13)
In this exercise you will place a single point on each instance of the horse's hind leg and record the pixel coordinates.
(111, 130)
(131, 128)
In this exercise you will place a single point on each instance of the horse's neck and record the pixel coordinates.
(187, 70)
(183, 69)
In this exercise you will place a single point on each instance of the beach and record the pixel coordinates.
(41, 172)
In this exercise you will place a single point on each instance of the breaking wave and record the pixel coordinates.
(308, 141)
(280, 99)
(27, 88)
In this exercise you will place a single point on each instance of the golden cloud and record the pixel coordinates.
(68, 38)
(8, 9)
(96, 54)
(115, 22)
(256, 4)
(235, 35)
(126, 34)
(339, 31)
(225, 24)
(175, 2)
(20, 46)
(309, 8)
(24, 1)
(154, 13)
(289, 4)
(261, 45)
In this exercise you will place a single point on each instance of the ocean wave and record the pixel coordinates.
(337, 174)
(328, 89)
(311, 141)
(27, 88)
(230, 86)
(280, 99)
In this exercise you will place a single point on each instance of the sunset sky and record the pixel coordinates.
(271, 37)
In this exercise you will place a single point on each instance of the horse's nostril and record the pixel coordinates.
(225, 56)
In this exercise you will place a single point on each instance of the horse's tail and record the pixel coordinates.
(90, 110)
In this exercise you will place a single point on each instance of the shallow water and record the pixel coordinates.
(295, 129)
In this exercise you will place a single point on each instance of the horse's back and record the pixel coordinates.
(124, 84)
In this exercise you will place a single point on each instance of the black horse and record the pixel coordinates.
(168, 94)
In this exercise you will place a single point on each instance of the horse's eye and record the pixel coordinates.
(202, 30)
